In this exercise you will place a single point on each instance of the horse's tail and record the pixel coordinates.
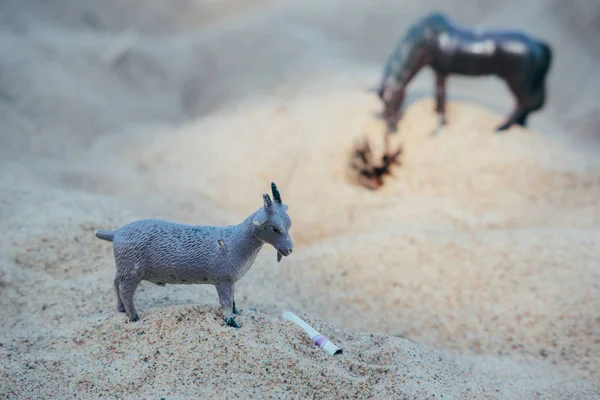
(543, 67)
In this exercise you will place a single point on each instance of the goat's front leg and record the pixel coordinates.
(225, 293)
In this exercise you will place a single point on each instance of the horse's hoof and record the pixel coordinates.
(438, 130)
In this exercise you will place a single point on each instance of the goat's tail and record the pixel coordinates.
(105, 235)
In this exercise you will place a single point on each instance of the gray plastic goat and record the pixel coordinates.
(164, 252)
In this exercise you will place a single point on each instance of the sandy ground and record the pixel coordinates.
(473, 273)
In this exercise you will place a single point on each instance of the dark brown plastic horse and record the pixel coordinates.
(522, 61)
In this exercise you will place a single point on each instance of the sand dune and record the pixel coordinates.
(473, 273)
(452, 253)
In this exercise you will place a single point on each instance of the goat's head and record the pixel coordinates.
(272, 224)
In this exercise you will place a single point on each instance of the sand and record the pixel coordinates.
(473, 273)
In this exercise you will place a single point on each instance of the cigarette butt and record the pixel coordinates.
(320, 340)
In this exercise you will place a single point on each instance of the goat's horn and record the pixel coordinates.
(267, 200)
(276, 195)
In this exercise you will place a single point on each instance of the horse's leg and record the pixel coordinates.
(440, 96)
(536, 102)
(521, 108)
(522, 120)
(538, 99)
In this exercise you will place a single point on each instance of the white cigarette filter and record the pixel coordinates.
(320, 340)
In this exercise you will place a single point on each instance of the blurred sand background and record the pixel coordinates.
(473, 273)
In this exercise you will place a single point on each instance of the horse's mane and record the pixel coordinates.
(437, 21)
(404, 52)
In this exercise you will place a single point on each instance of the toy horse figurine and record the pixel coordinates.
(522, 61)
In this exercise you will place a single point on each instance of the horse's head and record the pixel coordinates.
(378, 91)
(392, 97)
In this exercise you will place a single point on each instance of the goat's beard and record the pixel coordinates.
(279, 256)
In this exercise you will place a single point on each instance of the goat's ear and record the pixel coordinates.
(260, 218)
(285, 207)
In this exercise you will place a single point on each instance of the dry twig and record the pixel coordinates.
(371, 174)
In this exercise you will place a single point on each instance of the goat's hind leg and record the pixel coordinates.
(128, 278)
(120, 306)
(127, 286)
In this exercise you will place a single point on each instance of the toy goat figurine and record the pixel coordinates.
(164, 252)
(520, 60)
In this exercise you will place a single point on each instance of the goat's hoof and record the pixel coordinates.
(231, 322)
(134, 318)
(121, 308)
